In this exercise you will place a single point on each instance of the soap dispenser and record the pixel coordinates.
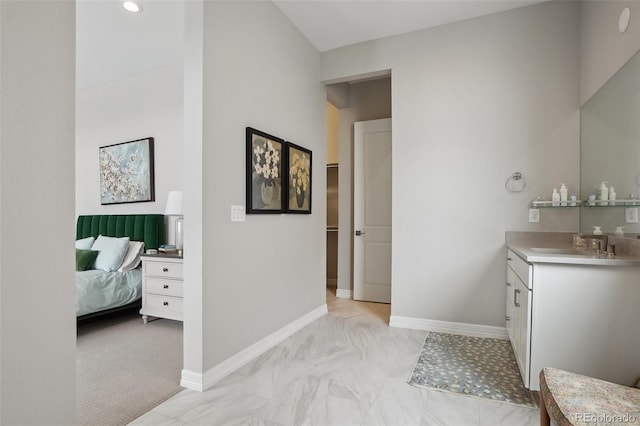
(619, 232)
(555, 197)
(563, 194)
(612, 196)
(597, 230)
(604, 194)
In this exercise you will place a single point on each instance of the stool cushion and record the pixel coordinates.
(573, 399)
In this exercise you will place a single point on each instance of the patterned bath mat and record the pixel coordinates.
(475, 366)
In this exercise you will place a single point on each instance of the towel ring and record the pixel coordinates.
(515, 183)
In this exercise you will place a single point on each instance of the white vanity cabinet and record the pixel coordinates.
(579, 317)
(518, 316)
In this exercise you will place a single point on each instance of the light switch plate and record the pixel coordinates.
(534, 216)
(631, 215)
(237, 214)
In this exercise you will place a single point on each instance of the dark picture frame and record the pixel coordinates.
(298, 170)
(265, 158)
(127, 172)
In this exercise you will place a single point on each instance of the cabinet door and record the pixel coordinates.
(522, 298)
(510, 318)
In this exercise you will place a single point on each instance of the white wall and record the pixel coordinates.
(472, 103)
(193, 337)
(262, 274)
(603, 49)
(37, 319)
(145, 105)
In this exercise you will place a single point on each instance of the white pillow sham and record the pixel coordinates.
(112, 251)
(132, 257)
(85, 243)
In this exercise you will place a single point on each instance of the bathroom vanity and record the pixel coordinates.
(572, 309)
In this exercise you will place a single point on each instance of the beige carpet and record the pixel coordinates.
(125, 368)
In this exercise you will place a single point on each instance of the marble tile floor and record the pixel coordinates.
(346, 368)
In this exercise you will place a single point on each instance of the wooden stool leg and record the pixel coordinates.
(544, 416)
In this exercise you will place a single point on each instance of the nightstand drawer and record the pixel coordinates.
(164, 287)
(157, 303)
(163, 269)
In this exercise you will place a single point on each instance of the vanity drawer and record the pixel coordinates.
(163, 269)
(520, 267)
(158, 303)
(164, 287)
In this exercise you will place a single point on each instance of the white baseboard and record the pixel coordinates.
(473, 330)
(343, 294)
(202, 382)
(191, 380)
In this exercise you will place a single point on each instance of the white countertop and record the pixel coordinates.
(527, 253)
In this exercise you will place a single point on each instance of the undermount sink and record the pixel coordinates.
(570, 251)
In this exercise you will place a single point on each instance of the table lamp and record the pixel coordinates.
(174, 208)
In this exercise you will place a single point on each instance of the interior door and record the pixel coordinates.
(372, 211)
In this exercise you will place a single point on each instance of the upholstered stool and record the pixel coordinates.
(572, 399)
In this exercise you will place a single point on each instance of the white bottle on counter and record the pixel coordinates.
(597, 230)
(563, 194)
(555, 197)
(612, 196)
(619, 232)
(604, 194)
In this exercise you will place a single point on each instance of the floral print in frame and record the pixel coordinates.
(265, 189)
(299, 179)
(126, 172)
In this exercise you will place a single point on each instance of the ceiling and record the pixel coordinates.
(112, 43)
(330, 24)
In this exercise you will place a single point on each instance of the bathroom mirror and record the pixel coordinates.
(610, 149)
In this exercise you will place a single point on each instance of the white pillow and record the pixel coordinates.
(132, 258)
(112, 251)
(85, 243)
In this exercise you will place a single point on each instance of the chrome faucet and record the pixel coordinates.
(598, 243)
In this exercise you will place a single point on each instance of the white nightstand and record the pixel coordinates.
(161, 287)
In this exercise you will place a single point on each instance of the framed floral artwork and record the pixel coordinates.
(126, 172)
(265, 189)
(299, 179)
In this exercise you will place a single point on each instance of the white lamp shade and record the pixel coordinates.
(174, 204)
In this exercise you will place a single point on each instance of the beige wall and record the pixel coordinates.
(37, 226)
(332, 134)
(472, 103)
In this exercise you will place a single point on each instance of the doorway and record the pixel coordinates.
(354, 101)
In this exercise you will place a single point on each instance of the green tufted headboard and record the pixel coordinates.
(138, 227)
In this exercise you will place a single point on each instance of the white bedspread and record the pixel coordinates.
(99, 290)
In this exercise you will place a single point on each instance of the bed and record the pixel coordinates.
(99, 292)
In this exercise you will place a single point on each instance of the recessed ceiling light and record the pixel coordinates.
(132, 6)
